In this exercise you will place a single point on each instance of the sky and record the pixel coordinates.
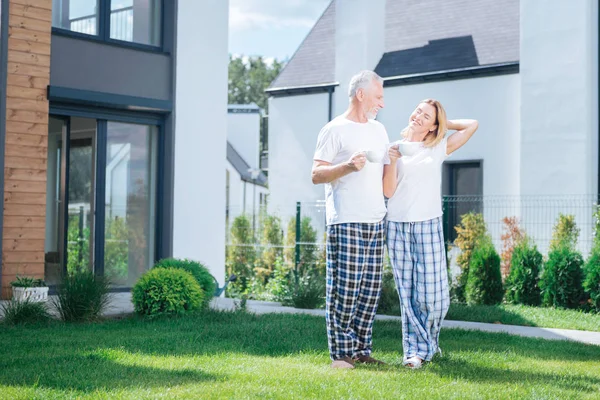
(271, 28)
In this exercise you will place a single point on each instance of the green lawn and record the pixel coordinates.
(238, 355)
(526, 316)
(508, 314)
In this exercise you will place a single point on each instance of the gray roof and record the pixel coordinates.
(420, 36)
(242, 167)
(314, 61)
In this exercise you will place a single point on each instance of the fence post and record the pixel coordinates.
(446, 220)
(80, 236)
(298, 225)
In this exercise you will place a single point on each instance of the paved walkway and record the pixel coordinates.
(121, 304)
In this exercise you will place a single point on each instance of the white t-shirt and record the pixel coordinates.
(418, 196)
(357, 196)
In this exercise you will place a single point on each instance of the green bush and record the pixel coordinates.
(470, 230)
(241, 254)
(199, 272)
(561, 280)
(389, 301)
(271, 241)
(522, 283)
(166, 291)
(27, 281)
(565, 232)
(591, 284)
(484, 285)
(25, 312)
(309, 250)
(592, 278)
(82, 296)
(307, 291)
(278, 286)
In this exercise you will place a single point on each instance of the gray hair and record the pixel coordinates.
(362, 80)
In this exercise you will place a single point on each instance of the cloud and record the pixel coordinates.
(274, 14)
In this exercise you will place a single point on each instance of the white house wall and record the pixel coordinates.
(200, 133)
(241, 194)
(559, 106)
(493, 101)
(559, 97)
(243, 131)
(294, 124)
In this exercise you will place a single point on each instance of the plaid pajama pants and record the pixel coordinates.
(418, 258)
(354, 270)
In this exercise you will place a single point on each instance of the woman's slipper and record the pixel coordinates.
(413, 362)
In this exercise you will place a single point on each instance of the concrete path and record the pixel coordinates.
(121, 304)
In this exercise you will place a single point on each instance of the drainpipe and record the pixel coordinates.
(330, 90)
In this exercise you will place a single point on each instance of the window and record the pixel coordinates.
(136, 21)
(462, 187)
(76, 15)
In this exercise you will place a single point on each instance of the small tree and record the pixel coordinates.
(241, 254)
(565, 232)
(512, 237)
(471, 229)
(484, 285)
(522, 284)
(562, 279)
(591, 283)
(308, 245)
(272, 244)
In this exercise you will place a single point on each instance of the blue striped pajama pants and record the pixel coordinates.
(418, 259)
(354, 271)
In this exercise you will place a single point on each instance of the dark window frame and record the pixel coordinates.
(103, 28)
(450, 201)
(103, 117)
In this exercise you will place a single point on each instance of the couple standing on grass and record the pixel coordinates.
(358, 166)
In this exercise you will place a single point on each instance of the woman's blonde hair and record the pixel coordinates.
(435, 137)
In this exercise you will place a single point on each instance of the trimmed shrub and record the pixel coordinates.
(484, 285)
(25, 312)
(512, 237)
(471, 229)
(271, 240)
(522, 283)
(241, 254)
(166, 291)
(561, 281)
(307, 291)
(309, 250)
(82, 296)
(591, 284)
(199, 272)
(389, 301)
(565, 232)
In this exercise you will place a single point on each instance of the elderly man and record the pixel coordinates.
(349, 158)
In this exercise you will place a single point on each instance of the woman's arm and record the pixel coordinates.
(465, 128)
(390, 178)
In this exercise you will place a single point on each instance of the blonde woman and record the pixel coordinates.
(412, 182)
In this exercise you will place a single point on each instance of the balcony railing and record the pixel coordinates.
(121, 24)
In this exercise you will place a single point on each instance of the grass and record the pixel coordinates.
(526, 316)
(239, 355)
(509, 314)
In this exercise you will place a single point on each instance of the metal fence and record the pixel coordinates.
(536, 216)
(121, 24)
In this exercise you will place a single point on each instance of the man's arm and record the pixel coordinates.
(325, 172)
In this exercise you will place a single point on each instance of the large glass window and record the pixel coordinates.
(76, 15)
(137, 21)
(130, 201)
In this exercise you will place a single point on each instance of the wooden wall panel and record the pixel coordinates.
(26, 144)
